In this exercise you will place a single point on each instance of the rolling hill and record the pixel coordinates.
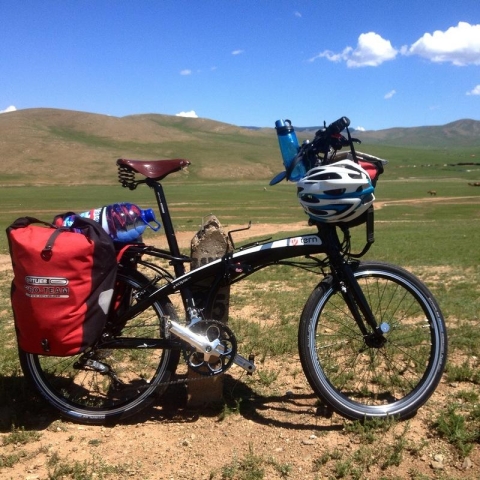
(462, 133)
(41, 146)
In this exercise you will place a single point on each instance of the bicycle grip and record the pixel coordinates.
(338, 125)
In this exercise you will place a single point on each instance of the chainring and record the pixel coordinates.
(213, 330)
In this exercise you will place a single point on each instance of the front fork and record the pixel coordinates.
(352, 293)
(359, 307)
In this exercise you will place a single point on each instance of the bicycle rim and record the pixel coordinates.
(359, 381)
(88, 395)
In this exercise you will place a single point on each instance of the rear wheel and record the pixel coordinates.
(106, 386)
(359, 378)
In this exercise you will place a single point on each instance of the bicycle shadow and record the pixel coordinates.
(21, 407)
(299, 411)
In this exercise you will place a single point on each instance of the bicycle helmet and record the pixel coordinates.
(336, 193)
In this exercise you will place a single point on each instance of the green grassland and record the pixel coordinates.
(406, 213)
(420, 232)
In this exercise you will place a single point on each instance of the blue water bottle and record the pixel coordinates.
(288, 142)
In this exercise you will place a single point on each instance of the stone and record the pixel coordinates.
(209, 244)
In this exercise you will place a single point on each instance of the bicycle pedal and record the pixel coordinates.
(251, 359)
(324, 411)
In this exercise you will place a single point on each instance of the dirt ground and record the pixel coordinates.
(276, 427)
(280, 430)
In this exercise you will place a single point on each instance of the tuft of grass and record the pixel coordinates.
(267, 377)
(8, 461)
(229, 409)
(21, 436)
(250, 467)
(95, 469)
(459, 429)
(468, 396)
(463, 373)
(368, 430)
(283, 469)
(383, 444)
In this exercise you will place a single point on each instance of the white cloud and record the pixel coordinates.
(360, 129)
(333, 57)
(298, 14)
(475, 91)
(390, 94)
(11, 108)
(459, 45)
(186, 72)
(190, 114)
(238, 52)
(371, 51)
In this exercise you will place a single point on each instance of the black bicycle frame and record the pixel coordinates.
(243, 262)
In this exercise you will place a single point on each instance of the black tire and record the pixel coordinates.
(361, 382)
(85, 395)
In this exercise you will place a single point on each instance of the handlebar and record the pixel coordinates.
(330, 137)
(338, 125)
(322, 148)
(327, 139)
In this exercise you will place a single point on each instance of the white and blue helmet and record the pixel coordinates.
(336, 193)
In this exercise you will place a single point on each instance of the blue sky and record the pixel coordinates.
(381, 63)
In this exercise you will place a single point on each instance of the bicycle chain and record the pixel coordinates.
(187, 380)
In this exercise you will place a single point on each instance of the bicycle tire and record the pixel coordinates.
(87, 396)
(361, 382)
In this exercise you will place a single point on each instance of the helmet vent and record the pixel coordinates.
(355, 175)
(309, 198)
(336, 192)
(325, 176)
(368, 198)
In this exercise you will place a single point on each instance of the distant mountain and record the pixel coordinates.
(461, 133)
(50, 145)
(61, 146)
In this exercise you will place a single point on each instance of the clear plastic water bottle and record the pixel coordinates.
(124, 222)
(288, 142)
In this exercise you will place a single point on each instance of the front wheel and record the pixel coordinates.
(362, 381)
(109, 385)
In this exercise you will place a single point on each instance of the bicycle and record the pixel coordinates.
(372, 340)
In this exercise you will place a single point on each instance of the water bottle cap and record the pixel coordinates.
(148, 215)
(283, 127)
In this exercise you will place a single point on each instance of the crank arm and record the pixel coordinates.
(247, 365)
(199, 342)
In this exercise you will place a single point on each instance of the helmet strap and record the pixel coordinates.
(295, 162)
(352, 148)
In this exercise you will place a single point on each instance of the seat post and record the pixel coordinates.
(167, 225)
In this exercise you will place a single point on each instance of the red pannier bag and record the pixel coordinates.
(63, 284)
